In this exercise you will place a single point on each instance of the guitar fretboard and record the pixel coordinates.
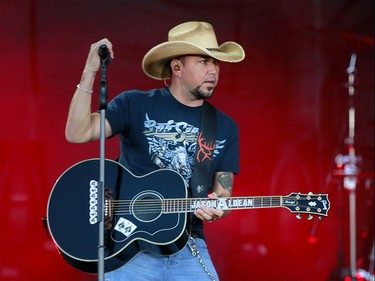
(230, 203)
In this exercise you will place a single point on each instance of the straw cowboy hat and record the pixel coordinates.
(189, 38)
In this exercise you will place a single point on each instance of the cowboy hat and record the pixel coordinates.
(189, 38)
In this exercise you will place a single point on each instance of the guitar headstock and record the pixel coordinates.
(310, 204)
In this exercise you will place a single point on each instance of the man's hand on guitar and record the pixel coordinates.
(209, 214)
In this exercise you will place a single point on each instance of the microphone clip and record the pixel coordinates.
(104, 54)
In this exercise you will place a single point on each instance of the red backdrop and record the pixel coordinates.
(289, 98)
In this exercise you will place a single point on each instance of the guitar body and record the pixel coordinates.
(72, 214)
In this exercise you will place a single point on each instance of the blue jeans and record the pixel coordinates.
(182, 266)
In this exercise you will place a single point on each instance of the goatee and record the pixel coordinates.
(201, 94)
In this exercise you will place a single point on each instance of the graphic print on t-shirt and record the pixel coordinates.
(172, 145)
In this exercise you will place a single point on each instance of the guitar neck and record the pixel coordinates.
(296, 203)
(224, 203)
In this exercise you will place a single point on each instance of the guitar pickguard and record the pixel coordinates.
(125, 227)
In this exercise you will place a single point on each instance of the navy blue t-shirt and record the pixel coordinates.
(157, 131)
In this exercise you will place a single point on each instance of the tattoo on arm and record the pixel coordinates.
(226, 180)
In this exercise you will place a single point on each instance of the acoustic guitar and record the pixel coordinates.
(142, 213)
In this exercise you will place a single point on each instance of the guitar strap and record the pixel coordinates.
(204, 152)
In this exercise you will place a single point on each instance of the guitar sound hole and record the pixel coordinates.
(147, 206)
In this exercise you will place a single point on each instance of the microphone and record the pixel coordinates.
(104, 54)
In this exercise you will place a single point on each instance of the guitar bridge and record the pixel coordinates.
(108, 210)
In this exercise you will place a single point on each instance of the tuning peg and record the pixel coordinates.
(309, 217)
(299, 216)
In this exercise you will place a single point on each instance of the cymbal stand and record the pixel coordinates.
(347, 167)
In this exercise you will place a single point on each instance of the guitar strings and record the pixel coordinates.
(148, 206)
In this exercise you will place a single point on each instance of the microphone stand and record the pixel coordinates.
(349, 170)
(103, 93)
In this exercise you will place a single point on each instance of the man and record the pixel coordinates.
(161, 129)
